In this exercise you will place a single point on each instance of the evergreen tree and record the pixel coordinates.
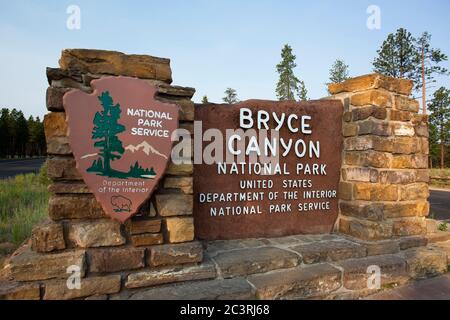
(205, 100)
(338, 72)
(302, 91)
(5, 133)
(427, 66)
(288, 84)
(440, 120)
(230, 96)
(397, 56)
(106, 129)
(22, 134)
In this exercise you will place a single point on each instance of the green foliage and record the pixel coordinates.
(137, 171)
(205, 99)
(230, 96)
(20, 137)
(23, 203)
(338, 72)
(443, 226)
(439, 120)
(288, 84)
(432, 57)
(397, 56)
(106, 129)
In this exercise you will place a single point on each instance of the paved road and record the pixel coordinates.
(440, 204)
(11, 168)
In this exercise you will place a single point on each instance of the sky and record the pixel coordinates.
(212, 44)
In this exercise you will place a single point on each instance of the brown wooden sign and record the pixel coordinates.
(293, 193)
(121, 140)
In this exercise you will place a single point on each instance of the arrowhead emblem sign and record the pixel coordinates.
(120, 136)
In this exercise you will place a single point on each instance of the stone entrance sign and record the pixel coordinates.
(285, 178)
(121, 140)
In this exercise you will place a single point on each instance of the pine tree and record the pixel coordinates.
(22, 134)
(288, 84)
(397, 56)
(230, 96)
(427, 66)
(440, 119)
(205, 100)
(5, 133)
(106, 129)
(302, 91)
(338, 72)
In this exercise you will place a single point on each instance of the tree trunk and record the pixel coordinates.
(424, 90)
(442, 155)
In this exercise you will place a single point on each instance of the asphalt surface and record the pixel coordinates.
(13, 167)
(440, 204)
(439, 200)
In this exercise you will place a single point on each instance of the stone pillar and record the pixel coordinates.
(78, 232)
(384, 179)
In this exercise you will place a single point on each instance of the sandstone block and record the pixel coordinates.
(422, 131)
(378, 159)
(54, 74)
(361, 209)
(185, 184)
(364, 229)
(26, 265)
(403, 129)
(140, 226)
(116, 63)
(115, 259)
(329, 251)
(358, 143)
(179, 229)
(363, 113)
(62, 168)
(186, 107)
(356, 272)
(57, 290)
(345, 191)
(379, 98)
(147, 239)
(405, 104)
(415, 191)
(228, 289)
(375, 192)
(243, 262)
(19, 291)
(397, 115)
(372, 81)
(377, 248)
(47, 237)
(405, 209)
(378, 128)
(168, 205)
(180, 169)
(54, 98)
(409, 227)
(397, 177)
(357, 174)
(170, 275)
(412, 242)
(74, 207)
(353, 158)
(55, 128)
(425, 262)
(297, 283)
(349, 130)
(68, 188)
(96, 233)
(175, 254)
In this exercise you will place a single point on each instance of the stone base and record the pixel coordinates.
(294, 267)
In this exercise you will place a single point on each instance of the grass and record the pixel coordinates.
(440, 172)
(23, 203)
